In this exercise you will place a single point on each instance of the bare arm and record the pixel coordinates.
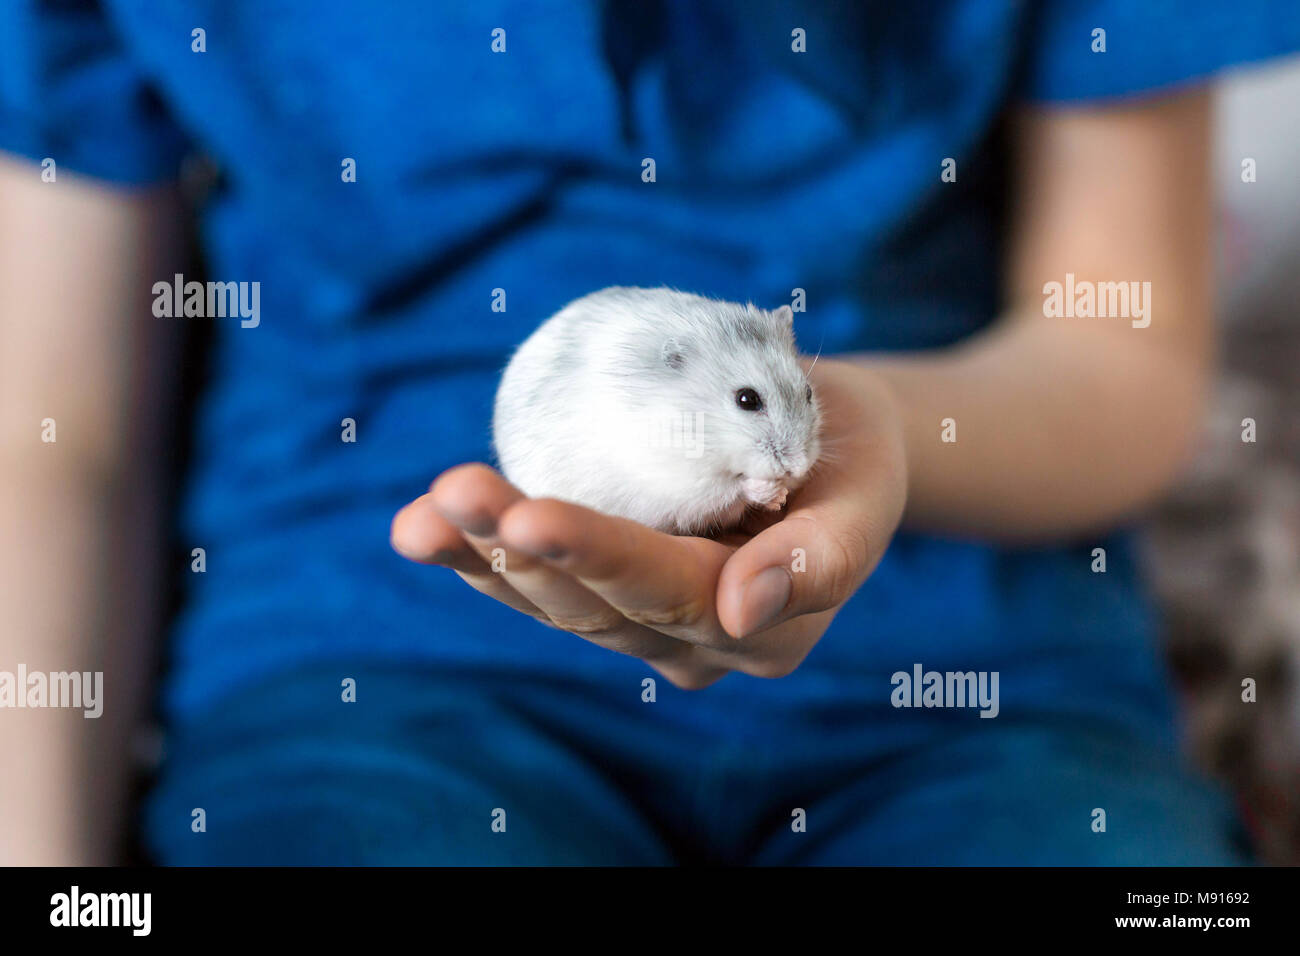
(1067, 424)
(78, 568)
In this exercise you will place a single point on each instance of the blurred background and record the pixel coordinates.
(1223, 551)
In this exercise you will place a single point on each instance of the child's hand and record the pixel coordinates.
(692, 608)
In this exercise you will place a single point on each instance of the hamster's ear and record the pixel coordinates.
(784, 315)
(673, 355)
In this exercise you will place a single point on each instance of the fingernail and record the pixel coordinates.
(765, 598)
(547, 551)
(479, 524)
(550, 552)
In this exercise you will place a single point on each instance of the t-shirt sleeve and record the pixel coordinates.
(70, 91)
(1148, 44)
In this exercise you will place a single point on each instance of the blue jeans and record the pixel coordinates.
(423, 764)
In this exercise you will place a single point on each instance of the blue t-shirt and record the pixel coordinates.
(521, 170)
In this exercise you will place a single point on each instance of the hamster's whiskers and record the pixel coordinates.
(814, 361)
(819, 466)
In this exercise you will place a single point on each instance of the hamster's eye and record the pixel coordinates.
(808, 393)
(749, 400)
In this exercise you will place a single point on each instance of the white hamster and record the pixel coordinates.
(671, 409)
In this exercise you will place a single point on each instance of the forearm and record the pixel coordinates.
(1052, 430)
(80, 593)
(1064, 425)
(85, 371)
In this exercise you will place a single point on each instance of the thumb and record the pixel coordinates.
(797, 566)
(810, 561)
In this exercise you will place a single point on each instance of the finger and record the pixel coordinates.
(419, 533)
(473, 498)
(422, 535)
(661, 581)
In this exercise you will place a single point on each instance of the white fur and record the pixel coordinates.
(624, 402)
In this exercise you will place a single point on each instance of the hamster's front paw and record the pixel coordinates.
(765, 493)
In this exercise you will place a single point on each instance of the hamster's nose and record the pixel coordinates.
(791, 463)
